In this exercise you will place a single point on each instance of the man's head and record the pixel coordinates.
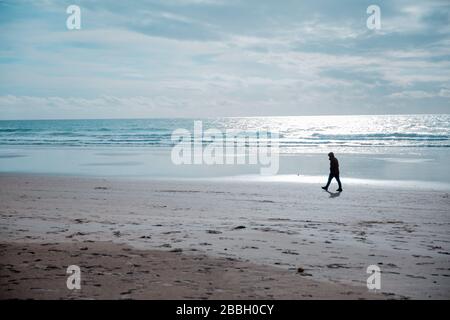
(331, 155)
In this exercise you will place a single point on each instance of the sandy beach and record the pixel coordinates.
(186, 239)
(114, 271)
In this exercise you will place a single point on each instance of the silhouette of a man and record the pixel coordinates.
(334, 172)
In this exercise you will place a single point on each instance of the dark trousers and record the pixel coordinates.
(330, 177)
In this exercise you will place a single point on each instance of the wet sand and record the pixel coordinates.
(271, 228)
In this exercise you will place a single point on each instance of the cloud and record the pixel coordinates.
(418, 94)
(218, 58)
(444, 93)
(413, 94)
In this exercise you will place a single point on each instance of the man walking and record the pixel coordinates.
(334, 172)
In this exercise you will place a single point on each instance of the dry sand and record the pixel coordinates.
(114, 271)
(268, 230)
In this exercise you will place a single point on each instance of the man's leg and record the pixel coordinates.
(330, 177)
(339, 182)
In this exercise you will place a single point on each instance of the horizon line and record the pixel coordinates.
(230, 117)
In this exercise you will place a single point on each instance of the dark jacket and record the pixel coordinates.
(334, 166)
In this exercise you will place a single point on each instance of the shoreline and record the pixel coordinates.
(276, 225)
(417, 166)
(434, 186)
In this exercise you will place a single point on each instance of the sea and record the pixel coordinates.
(410, 148)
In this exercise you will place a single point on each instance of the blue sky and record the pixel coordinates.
(202, 58)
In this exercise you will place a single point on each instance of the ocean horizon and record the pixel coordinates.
(375, 147)
(363, 131)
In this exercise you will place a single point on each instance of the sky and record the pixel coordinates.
(216, 58)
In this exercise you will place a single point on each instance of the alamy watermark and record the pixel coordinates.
(74, 280)
(374, 280)
(231, 147)
(73, 21)
(374, 20)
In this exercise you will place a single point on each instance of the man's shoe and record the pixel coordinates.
(339, 190)
(325, 188)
